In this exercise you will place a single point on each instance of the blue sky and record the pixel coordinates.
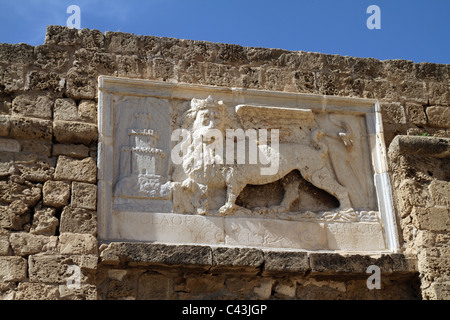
(417, 30)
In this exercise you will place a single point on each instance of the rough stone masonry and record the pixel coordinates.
(48, 174)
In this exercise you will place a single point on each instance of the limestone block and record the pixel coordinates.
(61, 36)
(436, 218)
(37, 291)
(38, 147)
(72, 243)
(41, 80)
(51, 269)
(71, 150)
(121, 42)
(415, 114)
(285, 261)
(66, 109)
(76, 170)
(51, 57)
(14, 216)
(4, 242)
(85, 292)
(17, 190)
(264, 290)
(440, 191)
(438, 116)
(437, 93)
(88, 262)
(9, 145)
(13, 269)
(31, 128)
(75, 132)
(35, 168)
(33, 106)
(76, 220)
(11, 78)
(84, 195)
(44, 222)
(24, 244)
(56, 193)
(5, 124)
(148, 254)
(393, 113)
(16, 53)
(80, 85)
(237, 257)
(154, 286)
(87, 110)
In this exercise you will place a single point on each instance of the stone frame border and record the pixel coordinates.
(137, 87)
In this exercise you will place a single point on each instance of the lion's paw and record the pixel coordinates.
(226, 209)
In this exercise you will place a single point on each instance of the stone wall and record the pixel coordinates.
(48, 147)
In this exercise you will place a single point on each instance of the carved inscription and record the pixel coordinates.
(273, 233)
(170, 228)
(355, 236)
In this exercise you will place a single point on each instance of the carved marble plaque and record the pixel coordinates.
(193, 164)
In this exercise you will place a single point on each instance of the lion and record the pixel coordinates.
(210, 182)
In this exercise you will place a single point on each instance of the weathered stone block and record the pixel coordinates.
(433, 219)
(16, 53)
(71, 150)
(76, 220)
(72, 243)
(17, 189)
(44, 222)
(237, 258)
(4, 241)
(50, 269)
(438, 116)
(84, 195)
(11, 78)
(66, 109)
(87, 110)
(24, 244)
(51, 57)
(393, 113)
(76, 170)
(34, 106)
(31, 128)
(80, 85)
(56, 193)
(147, 254)
(5, 125)
(41, 80)
(75, 132)
(37, 291)
(415, 114)
(35, 168)
(121, 42)
(40, 148)
(153, 286)
(13, 269)
(61, 36)
(409, 194)
(279, 261)
(440, 192)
